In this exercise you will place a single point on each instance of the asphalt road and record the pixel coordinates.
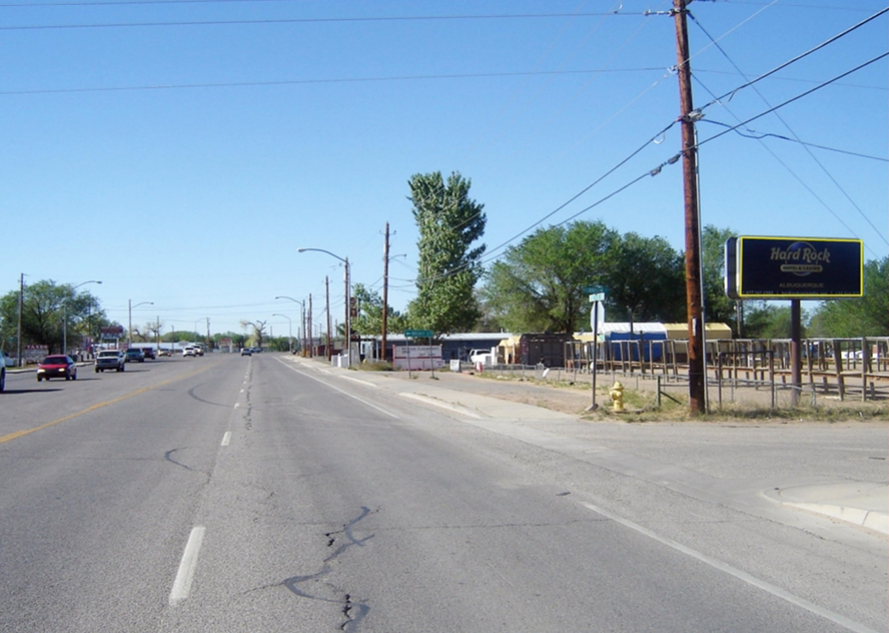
(225, 494)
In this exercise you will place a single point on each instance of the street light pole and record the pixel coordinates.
(348, 315)
(65, 314)
(131, 306)
(289, 330)
(303, 305)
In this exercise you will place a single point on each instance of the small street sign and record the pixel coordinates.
(592, 290)
(418, 333)
(597, 296)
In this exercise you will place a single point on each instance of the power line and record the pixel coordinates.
(414, 18)
(291, 82)
(732, 93)
(753, 134)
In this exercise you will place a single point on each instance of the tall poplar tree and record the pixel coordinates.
(449, 222)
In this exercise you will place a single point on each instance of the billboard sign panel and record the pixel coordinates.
(793, 268)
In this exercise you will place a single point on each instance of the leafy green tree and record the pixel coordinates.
(537, 286)
(718, 308)
(370, 314)
(449, 222)
(765, 320)
(647, 280)
(867, 316)
(48, 311)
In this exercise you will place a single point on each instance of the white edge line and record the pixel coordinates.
(182, 584)
(227, 438)
(443, 405)
(359, 381)
(345, 393)
(737, 573)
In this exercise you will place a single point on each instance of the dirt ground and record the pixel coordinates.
(575, 399)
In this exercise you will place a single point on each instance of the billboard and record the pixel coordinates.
(793, 268)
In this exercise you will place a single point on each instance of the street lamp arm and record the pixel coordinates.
(321, 250)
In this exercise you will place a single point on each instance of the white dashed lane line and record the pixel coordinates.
(182, 584)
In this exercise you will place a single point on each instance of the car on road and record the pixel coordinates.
(164, 352)
(189, 350)
(6, 364)
(246, 351)
(57, 366)
(148, 352)
(110, 359)
(134, 355)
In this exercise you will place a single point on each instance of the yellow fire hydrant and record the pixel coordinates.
(617, 396)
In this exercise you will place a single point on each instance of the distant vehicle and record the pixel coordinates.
(164, 352)
(57, 366)
(148, 352)
(198, 350)
(483, 356)
(246, 351)
(134, 355)
(189, 351)
(110, 359)
(3, 371)
(8, 361)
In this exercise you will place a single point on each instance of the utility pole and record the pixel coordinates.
(327, 310)
(694, 297)
(209, 346)
(385, 293)
(21, 307)
(311, 331)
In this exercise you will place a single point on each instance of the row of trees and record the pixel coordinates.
(538, 284)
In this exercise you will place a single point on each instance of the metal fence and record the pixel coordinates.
(752, 371)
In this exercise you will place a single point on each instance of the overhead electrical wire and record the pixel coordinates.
(733, 92)
(288, 82)
(412, 18)
(796, 137)
(753, 134)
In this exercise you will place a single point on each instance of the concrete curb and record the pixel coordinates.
(870, 519)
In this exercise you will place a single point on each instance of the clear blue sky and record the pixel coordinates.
(183, 162)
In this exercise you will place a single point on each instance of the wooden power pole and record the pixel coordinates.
(385, 294)
(696, 371)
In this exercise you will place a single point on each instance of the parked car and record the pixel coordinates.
(483, 356)
(134, 355)
(57, 366)
(110, 359)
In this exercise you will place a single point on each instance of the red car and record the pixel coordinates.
(58, 366)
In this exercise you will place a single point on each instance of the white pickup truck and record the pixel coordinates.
(483, 356)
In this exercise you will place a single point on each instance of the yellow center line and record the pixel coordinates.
(99, 405)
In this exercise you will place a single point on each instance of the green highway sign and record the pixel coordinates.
(593, 290)
(418, 333)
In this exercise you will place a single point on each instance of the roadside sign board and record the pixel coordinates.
(793, 268)
(593, 290)
(418, 333)
(597, 296)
